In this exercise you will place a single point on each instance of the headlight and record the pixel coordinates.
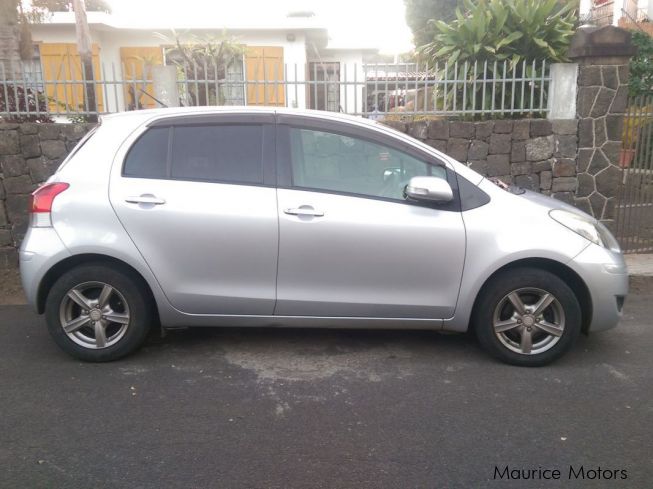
(587, 227)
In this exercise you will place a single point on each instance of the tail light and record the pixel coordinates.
(41, 201)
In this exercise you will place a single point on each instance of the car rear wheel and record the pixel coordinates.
(527, 317)
(97, 313)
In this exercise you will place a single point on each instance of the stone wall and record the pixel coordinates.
(29, 154)
(537, 154)
(603, 55)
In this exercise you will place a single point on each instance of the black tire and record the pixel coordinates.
(494, 298)
(132, 297)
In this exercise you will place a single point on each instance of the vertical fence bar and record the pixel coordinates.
(216, 84)
(206, 86)
(15, 85)
(105, 91)
(285, 85)
(503, 88)
(356, 88)
(4, 87)
(436, 88)
(296, 88)
(523, 85)
(346, 87)
(386, 94)
(265, 84)
(134, 88)
(25, 91)
(474, 86)
(276, 84)
(416, 104)
(314, 101)
(512, 88)
(542, 86)
(484, 86)
(494, 86)
(115, 85)
(446, 80)
(464, 107)
(376, 90)
(425, 88)
(532, 83)
(56, 90)
(455, 85)
(86, 104)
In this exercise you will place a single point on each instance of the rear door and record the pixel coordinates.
(197, 196)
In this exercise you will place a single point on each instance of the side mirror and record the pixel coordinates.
(432, 189)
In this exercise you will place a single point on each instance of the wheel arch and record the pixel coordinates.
(569, 276)
(70, 262)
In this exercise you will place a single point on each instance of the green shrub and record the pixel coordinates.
(641, 66)
(514, 32)
(497, 30)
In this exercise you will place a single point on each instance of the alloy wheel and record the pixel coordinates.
(94, 315)
(529, 321)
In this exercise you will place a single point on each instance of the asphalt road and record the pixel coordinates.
(294, 408)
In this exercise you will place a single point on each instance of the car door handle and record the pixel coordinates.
(303, 210)
(145, 199)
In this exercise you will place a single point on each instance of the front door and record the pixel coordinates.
(350, 244)
(199, 206)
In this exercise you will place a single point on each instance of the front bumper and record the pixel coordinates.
(606, 276)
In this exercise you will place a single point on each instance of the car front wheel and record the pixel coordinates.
(527, 317)
(97, 313)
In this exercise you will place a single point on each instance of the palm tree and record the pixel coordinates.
(9, 38)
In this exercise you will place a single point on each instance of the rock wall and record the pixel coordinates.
(29, 154)
(537, 154)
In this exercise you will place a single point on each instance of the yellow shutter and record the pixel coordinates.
(63, 78)
(265, 63)
(136, 64)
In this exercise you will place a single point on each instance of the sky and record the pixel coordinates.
(358, 23)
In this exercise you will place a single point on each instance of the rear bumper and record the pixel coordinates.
(41, 250)
(606, 276)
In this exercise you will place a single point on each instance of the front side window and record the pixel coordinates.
(223, 153)
(335, 162)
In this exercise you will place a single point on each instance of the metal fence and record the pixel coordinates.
(469, 89)
(633, 213)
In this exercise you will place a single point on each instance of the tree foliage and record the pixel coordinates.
(38, 10)
(420, 15)
(204, 58)
(498, 30)
(641, 66)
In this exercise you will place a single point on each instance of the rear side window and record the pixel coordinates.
(147, 158)
(222, 153)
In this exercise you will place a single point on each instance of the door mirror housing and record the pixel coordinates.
(431, 189)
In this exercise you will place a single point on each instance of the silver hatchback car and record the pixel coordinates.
(271, 217)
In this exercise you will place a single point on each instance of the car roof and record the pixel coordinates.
(151, 114)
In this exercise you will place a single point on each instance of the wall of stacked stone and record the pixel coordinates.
(603, 55)
(29, 154)
(601, 105)
(537, 154)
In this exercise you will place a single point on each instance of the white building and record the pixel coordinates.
(283, 62)
(616, 12)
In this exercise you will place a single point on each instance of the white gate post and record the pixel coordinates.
(562, 91)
